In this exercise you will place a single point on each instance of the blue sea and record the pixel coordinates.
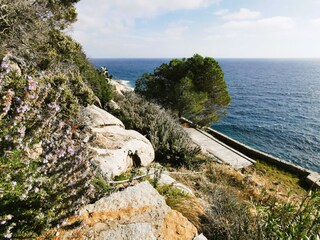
(275, 104)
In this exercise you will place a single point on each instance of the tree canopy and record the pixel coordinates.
(194, 88)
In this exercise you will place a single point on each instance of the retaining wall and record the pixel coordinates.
(311, 178)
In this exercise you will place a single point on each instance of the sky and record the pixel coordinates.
(214, 28)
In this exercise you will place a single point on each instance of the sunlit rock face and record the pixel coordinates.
(115, 149)
(138, 212)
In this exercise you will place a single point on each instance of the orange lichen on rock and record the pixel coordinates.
(176, 226)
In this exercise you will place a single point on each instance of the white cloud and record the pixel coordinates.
(248, 33)
(264, 24)
(116, 16)
(121, 28)
(105, 26)
(242, 14)
(251, 22)
(315, 22)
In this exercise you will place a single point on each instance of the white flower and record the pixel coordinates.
(8, 235)
(14, 183)
(9, 217)
(36, 189)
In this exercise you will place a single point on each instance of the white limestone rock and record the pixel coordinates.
(119, 149)
(166, 179)
(116, 149)
(138, 212)
(136, 231)
(121, 86)
(200, 237)
(94, 116)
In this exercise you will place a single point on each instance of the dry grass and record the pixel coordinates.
(232, 195)
(277, 181)
(189, 206)
(253, 183)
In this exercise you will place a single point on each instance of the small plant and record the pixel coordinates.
(104, 72)
(102, 188)
(123, 176)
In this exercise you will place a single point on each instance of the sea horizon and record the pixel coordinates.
(216, 58)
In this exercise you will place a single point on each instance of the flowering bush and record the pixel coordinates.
(39, 188)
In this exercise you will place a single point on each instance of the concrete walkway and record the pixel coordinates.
(220, 150)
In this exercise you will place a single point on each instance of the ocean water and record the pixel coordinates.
(275, 103)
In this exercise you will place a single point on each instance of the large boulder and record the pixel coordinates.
(116, 149)
(94, 116)
(138, 212)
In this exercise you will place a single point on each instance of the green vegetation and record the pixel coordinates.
(32, 32)
(291, 220)
(44, 77)
(193, 88)
(101, 186)
(281, 180)
(123, 176)
(171, 143)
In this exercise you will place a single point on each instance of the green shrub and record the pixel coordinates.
(67, 55)
(38, 44)
(171, 143)
(102, 187)
(230, 217)
(291, 220)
